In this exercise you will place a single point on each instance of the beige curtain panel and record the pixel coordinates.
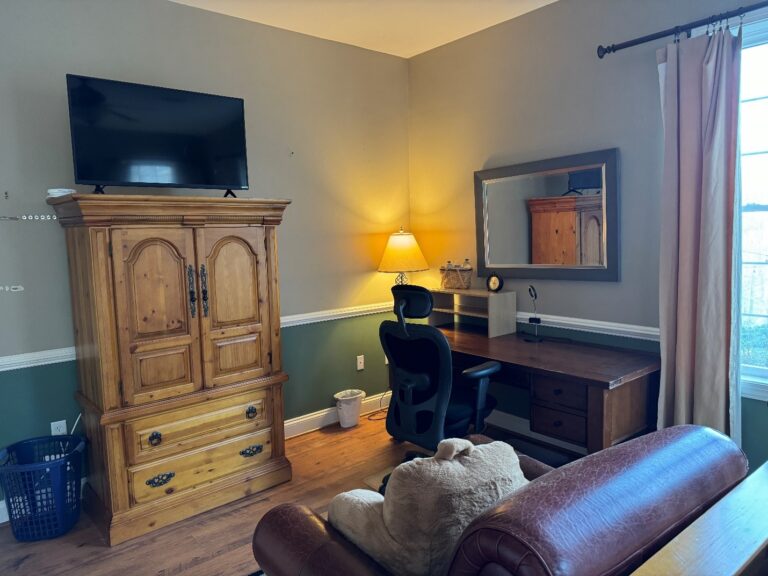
(699, 79)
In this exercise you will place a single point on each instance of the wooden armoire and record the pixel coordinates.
(177, 328)
(567, 230)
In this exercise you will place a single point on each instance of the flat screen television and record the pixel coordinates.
(127, 134)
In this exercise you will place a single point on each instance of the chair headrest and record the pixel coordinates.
(412, 301)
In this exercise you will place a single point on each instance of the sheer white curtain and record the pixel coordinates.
(699, 80)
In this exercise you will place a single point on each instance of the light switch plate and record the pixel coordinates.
(361, 362)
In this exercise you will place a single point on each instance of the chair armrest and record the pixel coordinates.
(292, 540)
(481, 370)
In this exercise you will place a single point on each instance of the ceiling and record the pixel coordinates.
(399, 27)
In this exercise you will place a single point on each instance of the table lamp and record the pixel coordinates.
(402, 255)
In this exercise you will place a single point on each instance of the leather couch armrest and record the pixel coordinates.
(292, 540)
(605, 513)
(532, 468)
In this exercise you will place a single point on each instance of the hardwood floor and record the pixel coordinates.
(218, 542)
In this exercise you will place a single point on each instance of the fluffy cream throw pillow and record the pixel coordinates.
(429, 502)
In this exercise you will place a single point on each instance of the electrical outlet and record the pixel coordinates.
(361, 362)
(59, 427)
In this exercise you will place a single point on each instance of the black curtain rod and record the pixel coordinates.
(677, 30)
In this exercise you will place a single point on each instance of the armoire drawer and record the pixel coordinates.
(149, 482)
(569, 427)
(559, 391)
(175, 431)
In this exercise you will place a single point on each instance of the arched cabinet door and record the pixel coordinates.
(159, 338)
(592, 238)
(234, 304)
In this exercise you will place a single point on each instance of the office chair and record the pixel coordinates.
(426, 406)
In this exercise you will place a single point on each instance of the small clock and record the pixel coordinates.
(494, 282)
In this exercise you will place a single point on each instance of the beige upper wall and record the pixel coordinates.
(326, 127)
(533, 88)
(329, 126)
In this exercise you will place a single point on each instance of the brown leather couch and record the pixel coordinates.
(604, 514)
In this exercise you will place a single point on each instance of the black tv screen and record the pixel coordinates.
(127, 134)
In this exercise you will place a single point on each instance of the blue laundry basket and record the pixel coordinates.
(40, 478)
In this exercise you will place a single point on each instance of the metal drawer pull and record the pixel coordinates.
(155, 439)
(251, 412)
(557, 423)
(160, 479)
(252, 450)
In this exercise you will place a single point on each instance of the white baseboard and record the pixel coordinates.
(329, 416)
(293, 427)
(522, 426)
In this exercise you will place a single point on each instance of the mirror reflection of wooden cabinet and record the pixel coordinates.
(177, 330)
(567, 230)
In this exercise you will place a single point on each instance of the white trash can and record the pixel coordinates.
(349, 403)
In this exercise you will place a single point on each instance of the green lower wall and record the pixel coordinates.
(754, 431)
(320, 360)
(32, 398)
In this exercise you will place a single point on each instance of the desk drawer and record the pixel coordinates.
(176, 431)
(560, 391)
(164, 477)
(559, 424)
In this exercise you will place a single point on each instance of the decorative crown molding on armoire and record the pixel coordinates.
(177, 330)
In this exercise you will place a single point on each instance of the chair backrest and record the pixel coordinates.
(420, 370)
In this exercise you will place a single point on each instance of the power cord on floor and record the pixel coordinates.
(372, 417)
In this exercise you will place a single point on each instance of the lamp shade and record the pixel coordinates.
(402, 254)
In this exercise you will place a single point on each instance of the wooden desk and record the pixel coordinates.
(729, 538)
(592, 396)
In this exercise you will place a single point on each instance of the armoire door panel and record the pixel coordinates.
(235, 314)
(156, 269)
(237, 353)
(159, 338)
(233, 292)
(164, 367)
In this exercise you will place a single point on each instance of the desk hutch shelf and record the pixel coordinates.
(499, 309)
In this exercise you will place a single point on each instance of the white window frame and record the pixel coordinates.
(754, 379)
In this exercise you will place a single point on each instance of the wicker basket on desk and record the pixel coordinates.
(455, 278)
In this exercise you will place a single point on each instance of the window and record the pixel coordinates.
(754, 212)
